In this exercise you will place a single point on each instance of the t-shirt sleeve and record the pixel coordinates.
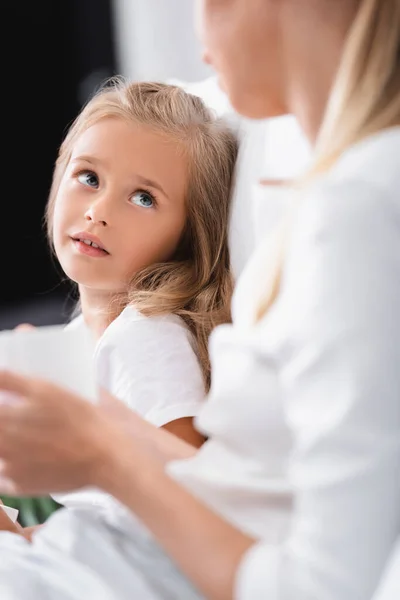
(151, 366)
(340, 376)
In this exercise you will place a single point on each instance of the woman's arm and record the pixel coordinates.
(206, 547)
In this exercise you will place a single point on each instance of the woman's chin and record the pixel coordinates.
(253, 105)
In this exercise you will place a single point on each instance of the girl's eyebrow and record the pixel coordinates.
(151, 183)
(86, 158)
(144, 180)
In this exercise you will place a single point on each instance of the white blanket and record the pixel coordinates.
(78, 555)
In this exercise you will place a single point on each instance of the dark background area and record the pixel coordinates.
(57, 53)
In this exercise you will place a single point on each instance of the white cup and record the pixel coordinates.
(63, 356)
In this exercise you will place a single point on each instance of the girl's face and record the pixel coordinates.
(242, 41)
(120, 206)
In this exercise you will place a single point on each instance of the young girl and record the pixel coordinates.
(137, 217)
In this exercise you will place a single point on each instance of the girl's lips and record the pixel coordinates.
(89, 250)
(89, 239)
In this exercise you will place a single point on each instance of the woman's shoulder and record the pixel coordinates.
(357, 202)
(373, 162)
(362, 189)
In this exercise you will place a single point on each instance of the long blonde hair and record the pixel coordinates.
(365, 99)
(196, 284)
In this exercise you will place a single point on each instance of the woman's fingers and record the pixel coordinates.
(50, 438)
(116, 410)
(14, 386)
(14, 383)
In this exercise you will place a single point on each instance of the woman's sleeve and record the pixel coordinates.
(340, 372)
(151, 366)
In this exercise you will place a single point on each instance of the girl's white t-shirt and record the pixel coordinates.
(150, 364)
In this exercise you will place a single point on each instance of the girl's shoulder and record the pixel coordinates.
(131, 314)
(150, 363)
(132, 329)
(131, 319)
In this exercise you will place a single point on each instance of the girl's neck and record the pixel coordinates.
(96, 310)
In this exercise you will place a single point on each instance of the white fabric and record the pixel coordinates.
(304, 412)
(287, 152)
(389, 588)
(150, 364)
(77, 555)
(270, 203)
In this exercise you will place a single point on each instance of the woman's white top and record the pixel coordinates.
(304, 411)
(150, 364)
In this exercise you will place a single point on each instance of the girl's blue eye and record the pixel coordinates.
(143, 199)
(88, 178)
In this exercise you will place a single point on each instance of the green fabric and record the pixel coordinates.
(32, 511)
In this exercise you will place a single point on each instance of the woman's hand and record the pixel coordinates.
(50, 439)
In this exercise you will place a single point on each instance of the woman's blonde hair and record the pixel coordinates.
(196, 284)
(365, 98)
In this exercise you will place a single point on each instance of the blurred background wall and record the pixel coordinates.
(155, 39)
(56, 53)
